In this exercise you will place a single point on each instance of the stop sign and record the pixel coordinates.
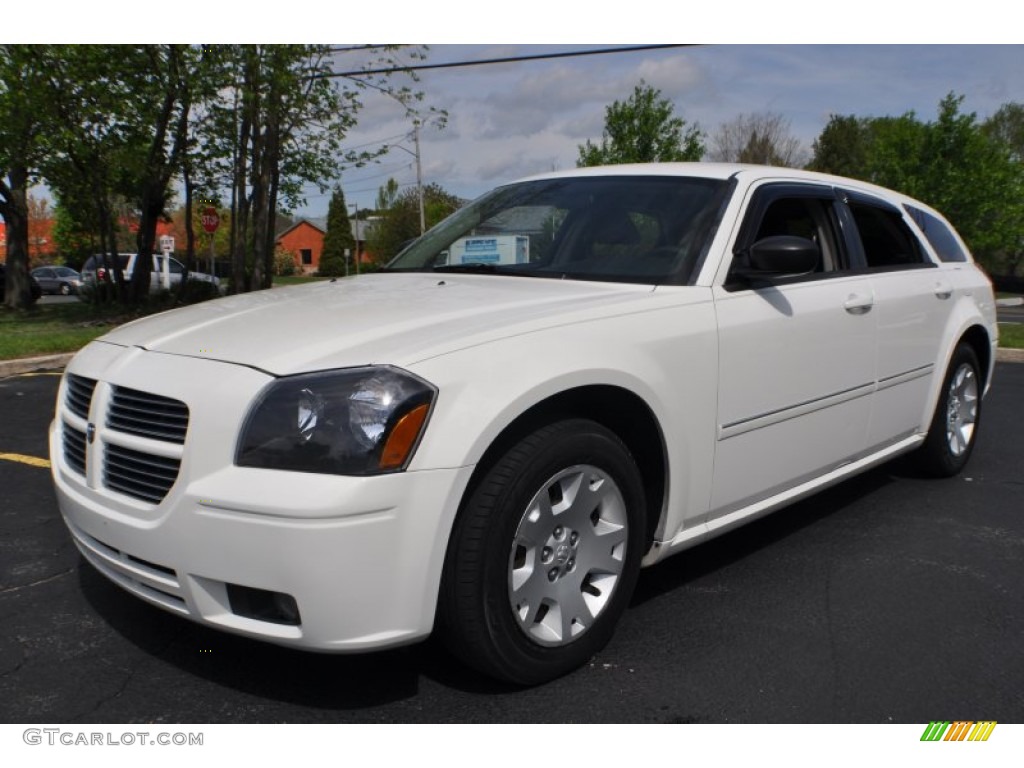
(210, 219)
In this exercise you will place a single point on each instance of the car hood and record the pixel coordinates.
(384, 318)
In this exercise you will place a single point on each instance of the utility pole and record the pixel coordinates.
(356, 206)
(419, 172)
(419, 175)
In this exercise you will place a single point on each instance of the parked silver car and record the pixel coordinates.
(62, 280)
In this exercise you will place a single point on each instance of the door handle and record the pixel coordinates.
(858, 304)
(943, 290)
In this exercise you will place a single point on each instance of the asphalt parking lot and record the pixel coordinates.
(889, 598)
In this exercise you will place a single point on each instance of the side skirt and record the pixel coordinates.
(701, 533)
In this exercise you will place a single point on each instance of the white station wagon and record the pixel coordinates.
(575, 376)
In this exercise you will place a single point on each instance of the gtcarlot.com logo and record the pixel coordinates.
(58, 736)
(959, 730)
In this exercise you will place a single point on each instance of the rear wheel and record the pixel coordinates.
(545, 554)
(954, 426)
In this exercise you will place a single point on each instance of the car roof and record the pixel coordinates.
(740, 171)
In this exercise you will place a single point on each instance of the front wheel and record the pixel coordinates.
(65, 289)
(954, 425)
(544, 556)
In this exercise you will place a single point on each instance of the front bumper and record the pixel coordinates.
(362, 557)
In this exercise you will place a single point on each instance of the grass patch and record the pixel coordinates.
(48, 329)
(1011, 335)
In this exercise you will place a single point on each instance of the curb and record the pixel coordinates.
(1007, 355)
(30, 364)
(1012, 302)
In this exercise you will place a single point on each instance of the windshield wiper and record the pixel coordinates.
(475, 266)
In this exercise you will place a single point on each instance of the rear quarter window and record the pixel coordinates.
(940, 237)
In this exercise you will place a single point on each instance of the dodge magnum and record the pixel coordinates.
(575, 376)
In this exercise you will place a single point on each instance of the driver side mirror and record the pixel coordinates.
(777, 257)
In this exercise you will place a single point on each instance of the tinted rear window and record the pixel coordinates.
(939, 236)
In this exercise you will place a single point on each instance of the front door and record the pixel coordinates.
(796, 357)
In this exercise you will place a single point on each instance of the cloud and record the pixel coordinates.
(511, 120)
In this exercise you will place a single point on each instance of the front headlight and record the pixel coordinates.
(353, 421)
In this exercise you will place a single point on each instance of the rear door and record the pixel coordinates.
(796, 357)
(913, 297)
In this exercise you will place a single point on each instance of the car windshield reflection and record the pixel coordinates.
(623, 229)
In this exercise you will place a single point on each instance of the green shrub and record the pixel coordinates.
(284, 262)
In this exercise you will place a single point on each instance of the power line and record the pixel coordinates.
(392, 169)
(377, 142)
(348, 48)
(503, 60)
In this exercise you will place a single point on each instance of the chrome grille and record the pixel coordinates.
(140, 475)
(74, 448)
(79, 394)
(148, 415)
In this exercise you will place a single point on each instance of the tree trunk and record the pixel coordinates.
(18, 292)
(260, 184)
(153, 201)
(240, 202)
(190, 230)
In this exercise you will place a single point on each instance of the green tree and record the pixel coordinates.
(338, 238)
(643, 129)
(401, 222)
(22, 131)
(387, 195)
(124, 125)
(842, 147)
(894, 157)
(279, 124)
(1006, 127)
(950, 164)
(99, 134)
(75, 242)
(967, 170)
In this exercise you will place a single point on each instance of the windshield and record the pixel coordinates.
(649, 229)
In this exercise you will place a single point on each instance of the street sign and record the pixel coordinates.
(210, 219)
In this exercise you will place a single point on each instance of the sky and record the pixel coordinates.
(506, 121)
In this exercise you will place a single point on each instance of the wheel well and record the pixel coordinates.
(978, 339)
(621, 411)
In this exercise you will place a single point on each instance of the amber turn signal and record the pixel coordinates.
(403, 437)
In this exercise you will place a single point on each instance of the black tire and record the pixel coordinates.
(496, 555)
(65, 289)
(954, 427)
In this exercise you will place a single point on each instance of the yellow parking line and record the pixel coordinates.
(34, 461)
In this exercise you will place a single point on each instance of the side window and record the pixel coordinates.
(887, 240)
(939, 236)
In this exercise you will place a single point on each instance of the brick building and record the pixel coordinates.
(305, 241)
